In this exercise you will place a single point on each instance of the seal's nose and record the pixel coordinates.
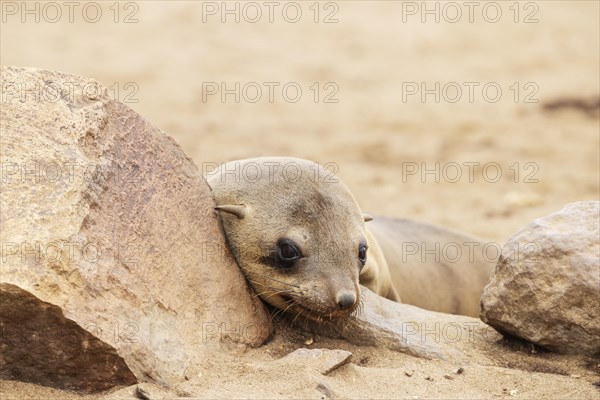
(345, 299)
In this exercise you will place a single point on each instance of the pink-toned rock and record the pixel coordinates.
(546, 288)
(104, 216)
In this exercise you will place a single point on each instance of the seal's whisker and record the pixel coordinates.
(283, 310)
(360, 307)
(361, 303)
(269, 290)
(266, 294)
(306, 320)
(356, 311)
(275, 313)
(296, 317)
(271, 293)
(319, 318)
(309, 317)
(292, 303)
(275, 280)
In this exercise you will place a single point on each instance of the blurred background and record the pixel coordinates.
(479, 116)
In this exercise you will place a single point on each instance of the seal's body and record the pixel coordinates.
(300, 238)
(432, 267)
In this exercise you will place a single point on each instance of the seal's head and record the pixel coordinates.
(296, 232)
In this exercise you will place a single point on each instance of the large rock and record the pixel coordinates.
(546, 287)
(104, 217)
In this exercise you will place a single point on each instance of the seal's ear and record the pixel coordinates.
(367, 217)
(239, 210)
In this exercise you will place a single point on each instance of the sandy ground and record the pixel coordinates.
(379, 134)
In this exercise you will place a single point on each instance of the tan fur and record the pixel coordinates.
(296, 199)
(448, 271)
(263, 200)
(376, 275)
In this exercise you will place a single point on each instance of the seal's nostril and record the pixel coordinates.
(346, 300)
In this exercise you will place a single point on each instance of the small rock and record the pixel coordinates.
(459, 371)
(128, 392)
(308, 341)
(323, 360)
(449, 377)
(545, 287)
(141, 391)
(324, 388)
(149, 391)
(191, 372)
(409, 374)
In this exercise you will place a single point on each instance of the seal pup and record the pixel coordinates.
(296, 232)
(299, 236)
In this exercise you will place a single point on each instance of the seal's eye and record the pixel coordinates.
(362, 253)
(288, 253)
